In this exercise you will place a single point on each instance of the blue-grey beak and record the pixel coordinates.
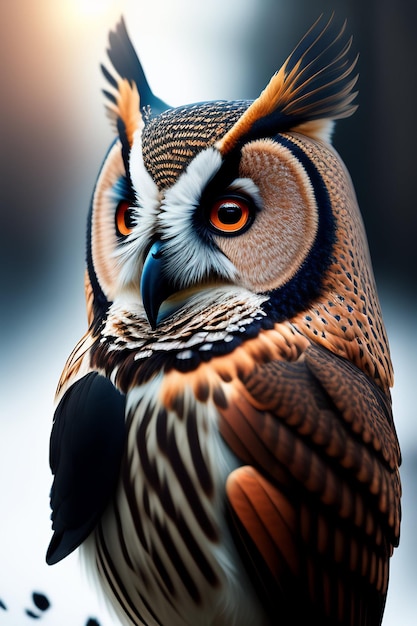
(154, 285)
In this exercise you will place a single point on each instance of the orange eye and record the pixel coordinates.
(230, 215)
(124, 218)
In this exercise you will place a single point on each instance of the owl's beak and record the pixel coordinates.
(154, 285)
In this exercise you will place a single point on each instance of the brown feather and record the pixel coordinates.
(293, 423)
(267, 516)
(346, 318)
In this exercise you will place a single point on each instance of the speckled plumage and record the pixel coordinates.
(223, 446)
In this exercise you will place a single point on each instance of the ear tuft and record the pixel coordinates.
(129, 94)
(124, 110)
(126, 65)
(313, 87)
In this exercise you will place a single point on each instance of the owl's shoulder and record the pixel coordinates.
(319, 454)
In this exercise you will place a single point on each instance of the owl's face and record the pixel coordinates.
(243, 197)
(249, 219)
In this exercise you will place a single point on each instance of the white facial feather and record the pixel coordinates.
(189, 260)
(148, 199)
(247, 187)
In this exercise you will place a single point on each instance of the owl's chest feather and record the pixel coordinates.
(166, 531)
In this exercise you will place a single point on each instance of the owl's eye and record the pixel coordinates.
(231, 215)
(124, 218)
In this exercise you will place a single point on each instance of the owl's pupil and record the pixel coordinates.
(229, 213)
(125, 218)
(128, 218)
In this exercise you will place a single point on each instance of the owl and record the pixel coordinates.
(223, 446)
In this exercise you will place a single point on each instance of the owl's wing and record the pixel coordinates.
(85, 451)
(318, 501)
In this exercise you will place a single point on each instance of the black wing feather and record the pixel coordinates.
(86, 447)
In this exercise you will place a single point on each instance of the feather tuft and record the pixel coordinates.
(129, 99)
(125, 110)
(126, 65)
(314, 84)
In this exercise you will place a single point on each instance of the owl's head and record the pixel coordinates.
(244, 194)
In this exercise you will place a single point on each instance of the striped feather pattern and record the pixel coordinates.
(334, 483)
(314, 514)
(163, 548)
(172, 140)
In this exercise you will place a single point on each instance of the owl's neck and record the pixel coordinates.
(211, 322)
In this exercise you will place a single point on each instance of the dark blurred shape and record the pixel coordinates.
(40, 601)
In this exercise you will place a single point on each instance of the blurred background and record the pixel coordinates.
(53, 137)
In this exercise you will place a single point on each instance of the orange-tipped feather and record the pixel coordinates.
(313, 84)
(126, 108)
